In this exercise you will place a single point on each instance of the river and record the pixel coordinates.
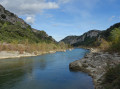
(49, 71)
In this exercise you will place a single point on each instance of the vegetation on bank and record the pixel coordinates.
(107, 40)
(14, 37)
(112, 78)
(33, 48)
(113, 42)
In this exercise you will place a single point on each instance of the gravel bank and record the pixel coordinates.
(16, 54)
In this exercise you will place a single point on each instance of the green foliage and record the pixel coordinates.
(110, 38)
(112, 78)
(25, 39)
(104, 45)
(106, 34)
(115, 39)
(62, 45)
(10, 32)
(88, 41)
(115, 35)
(43, 37)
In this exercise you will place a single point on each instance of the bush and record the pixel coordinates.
(112, 78)
(115, 39)
(104, 44)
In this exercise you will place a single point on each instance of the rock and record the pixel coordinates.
(75, 65)
(78, 39)
(95, 64)
(6, 15)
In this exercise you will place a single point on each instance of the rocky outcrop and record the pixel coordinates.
(95, 64)
(72, 40)
(17, 54)
(8, 16)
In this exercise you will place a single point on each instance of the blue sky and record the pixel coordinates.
(60, 18)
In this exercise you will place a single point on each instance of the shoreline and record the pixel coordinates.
(95, 64)
(17, 54)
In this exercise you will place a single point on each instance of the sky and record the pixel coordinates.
(60, 18)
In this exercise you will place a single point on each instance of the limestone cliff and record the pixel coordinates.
(6, 15)
(84, 39)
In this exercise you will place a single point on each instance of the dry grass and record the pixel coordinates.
(30, 48)
(105, 45)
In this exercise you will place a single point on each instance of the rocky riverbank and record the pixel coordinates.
(17, 54)
(95, 64)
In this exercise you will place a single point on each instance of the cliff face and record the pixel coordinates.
(83, 39)
(6, 15)
(70, 39)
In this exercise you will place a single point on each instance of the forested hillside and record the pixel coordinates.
(17, 35)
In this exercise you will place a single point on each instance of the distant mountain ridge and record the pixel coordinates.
(89, 37)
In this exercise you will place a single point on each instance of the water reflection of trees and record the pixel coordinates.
(13, 71)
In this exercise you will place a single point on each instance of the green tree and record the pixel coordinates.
(115, 39)
(115, 35)
(4, 25)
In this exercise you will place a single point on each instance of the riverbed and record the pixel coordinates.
(49, 71)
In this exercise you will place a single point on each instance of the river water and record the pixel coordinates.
(49, 71)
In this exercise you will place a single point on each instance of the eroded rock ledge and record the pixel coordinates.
(96, 64)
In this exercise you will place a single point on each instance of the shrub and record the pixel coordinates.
(112, 78)
(104, 44)
(115, 39)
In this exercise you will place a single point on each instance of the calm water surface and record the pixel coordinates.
(50, 71)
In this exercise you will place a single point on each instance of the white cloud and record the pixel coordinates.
(81, 7)
(31, 7)
(39, 6)
(64, 1)
(30, 19)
